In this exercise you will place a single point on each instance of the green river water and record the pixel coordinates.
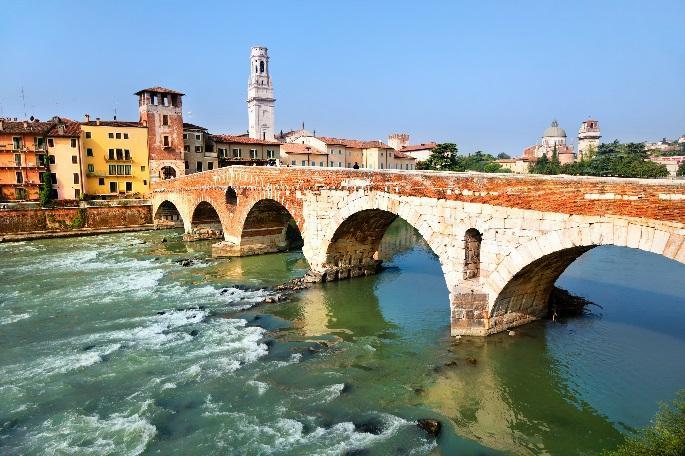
(109, 346)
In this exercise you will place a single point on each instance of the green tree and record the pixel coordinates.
(503, 156)
(681, 170)
(665, 437)
(46, 190)
(443, 157)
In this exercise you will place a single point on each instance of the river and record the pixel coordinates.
(108, 345)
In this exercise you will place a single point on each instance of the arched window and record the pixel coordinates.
(472, 240)
(231, 196)
(261, 66)
(168, 172)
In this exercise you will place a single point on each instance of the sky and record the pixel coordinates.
(486, 75)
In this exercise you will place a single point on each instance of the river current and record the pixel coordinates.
(109, 345)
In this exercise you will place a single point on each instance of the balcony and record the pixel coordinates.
(15, 165)
(120, 159)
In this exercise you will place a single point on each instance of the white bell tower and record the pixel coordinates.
(260, 96)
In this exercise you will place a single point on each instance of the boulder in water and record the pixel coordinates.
(430, 425)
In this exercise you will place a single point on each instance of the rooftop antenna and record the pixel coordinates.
(115, 112)
(23, 101)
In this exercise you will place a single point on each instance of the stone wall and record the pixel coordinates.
(72, 218)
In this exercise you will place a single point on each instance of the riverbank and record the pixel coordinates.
(26, 222)
(30, 236)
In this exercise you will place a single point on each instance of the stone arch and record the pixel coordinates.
(205, 223)
(168, 215)
(519, 288)
(268, 227)
(352, 235)
(472, 243)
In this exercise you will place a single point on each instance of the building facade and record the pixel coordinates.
(199, 152)
(553, 140)
(400, 142)
(242, 150)
(63, 148)
(261, 104)
(588, 138)
(161, 111)
(22, 159)
(116, 158)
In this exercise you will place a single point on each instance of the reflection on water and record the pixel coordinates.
(110, 345)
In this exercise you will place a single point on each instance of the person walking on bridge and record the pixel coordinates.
(356, 165)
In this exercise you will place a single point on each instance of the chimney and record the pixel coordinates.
(87, 118)
(97, 121)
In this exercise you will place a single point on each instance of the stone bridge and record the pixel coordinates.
(502, 240)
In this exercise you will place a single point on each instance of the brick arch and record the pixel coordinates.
(181, 204)
(260, 222)
(519, 288)
(168, 214)
(371, 212)
(216, 202)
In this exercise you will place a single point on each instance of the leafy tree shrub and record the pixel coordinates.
(46, 190)
(665, 437)
(443, 157)
(681, 170)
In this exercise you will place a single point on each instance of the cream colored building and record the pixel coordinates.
(199, 153)
(242, 150)
(345, 153)
(516, 165)
(400, 142)
(65, 159)
(297, 154)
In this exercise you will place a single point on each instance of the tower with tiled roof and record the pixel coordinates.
(260, 96)
(161, 111)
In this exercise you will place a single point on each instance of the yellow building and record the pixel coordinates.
(115, 158)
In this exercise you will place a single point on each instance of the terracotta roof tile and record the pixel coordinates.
(112, 123)
(48, 128)
(242, 140)
(353, 143)
(189, 126)
(415, 147)
(403, 155)
(297, 148)
(159, 89)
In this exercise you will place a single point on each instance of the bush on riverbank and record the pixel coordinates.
(665, 437)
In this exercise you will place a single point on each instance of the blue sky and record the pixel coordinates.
(487, 75)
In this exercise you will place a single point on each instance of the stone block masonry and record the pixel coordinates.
(26, 221)
(502, 240)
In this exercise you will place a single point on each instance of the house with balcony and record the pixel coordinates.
(22, 158)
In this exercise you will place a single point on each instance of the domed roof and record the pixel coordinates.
(554, 130)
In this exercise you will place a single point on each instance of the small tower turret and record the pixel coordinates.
(588, 138)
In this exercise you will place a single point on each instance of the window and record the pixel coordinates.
(129, 186)
(77, 193)
(40, 178)
(112, 187)
(142, 168)
(20, 194)
(89, 152)
(236, 153)
(198, 137)
(381, 165)
(17, 159)
(198, 149)
(253, 153)
(110, 135)
(127, 154)
(101, 181)
(88, 135)
(112, 170)
(293, 162)
(313, 163)
(121, 170)
(118, 135)
(120, 154)
(166, 141)
(51, 159)
(51, 142)
(91, 168)
(304, 162)
(53, 178)
(270, 154)
(186, 148)
(165, 119)
(74, 159)
(144, 181)
(20, 177)
(187, 166)
(16, 142)
(125, 135)
(185, 135)
(41, 160)
(198, 166)
(339, 164)
(320, 163)
(210, 165)
(39, 142)
(111, 154)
